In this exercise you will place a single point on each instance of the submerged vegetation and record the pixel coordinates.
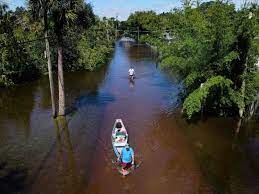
(22, 46)
(211, 47)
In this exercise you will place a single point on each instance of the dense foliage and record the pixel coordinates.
(212, 48)
(18, 61)
(95, 44)
(22, 47)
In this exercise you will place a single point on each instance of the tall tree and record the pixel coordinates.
(66, 14)
(213, 52)
(40, 10)
(16, 61)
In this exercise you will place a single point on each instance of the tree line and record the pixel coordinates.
(212, 48)
(52, 35)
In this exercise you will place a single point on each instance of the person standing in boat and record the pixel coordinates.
(127, 158)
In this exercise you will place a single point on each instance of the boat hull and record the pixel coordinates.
(116, 143)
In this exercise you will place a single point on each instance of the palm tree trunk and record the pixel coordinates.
(51, 83)
(61, 87)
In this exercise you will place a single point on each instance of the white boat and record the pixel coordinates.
(119, 137)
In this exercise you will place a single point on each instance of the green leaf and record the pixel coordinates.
(193, 103)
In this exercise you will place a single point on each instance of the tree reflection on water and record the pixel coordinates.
(12, 177)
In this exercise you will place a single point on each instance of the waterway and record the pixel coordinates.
(74, 155)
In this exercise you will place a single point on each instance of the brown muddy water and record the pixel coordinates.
(74, 155)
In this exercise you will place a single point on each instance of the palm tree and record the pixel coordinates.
(67, 13)
(40, 10)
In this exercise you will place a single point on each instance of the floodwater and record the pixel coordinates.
(74, 154)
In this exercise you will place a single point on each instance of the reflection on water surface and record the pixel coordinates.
(74, 154)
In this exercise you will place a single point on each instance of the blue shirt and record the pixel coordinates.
(126, 156)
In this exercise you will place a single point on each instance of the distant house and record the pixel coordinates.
(127, 39)
(167, 36)
(127, 42)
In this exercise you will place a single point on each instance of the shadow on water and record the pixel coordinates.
(76, 84)
(142, 52)
(224, 159)
(131, 83)
(60, 166)
(16, 105)
(94, 98)
(81, 83)
(66, 160)
(47, 156)
(12, 177)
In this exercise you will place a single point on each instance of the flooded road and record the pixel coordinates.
(74, 155)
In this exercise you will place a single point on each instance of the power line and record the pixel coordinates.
(21, 43)
(39, 39)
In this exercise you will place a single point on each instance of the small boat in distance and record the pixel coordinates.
(119, 137)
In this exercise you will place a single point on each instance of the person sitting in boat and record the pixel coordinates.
(127, 158)
(119, 128)
(120, 138)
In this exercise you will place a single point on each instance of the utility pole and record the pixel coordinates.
(116, 26)
(138, 34)
(107, 31)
